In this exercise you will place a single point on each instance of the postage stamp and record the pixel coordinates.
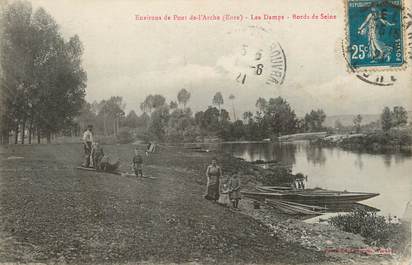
(375, 34)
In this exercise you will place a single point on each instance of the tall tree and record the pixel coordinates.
(218, 100)
(131, 120)
(158, 101)
(279, 118)
(232, 98)
(261, 104)
(314, 120)
(183, 97)
(357, 122)
(42, 73)
(247, 116)
(399, 116)
(386, 119)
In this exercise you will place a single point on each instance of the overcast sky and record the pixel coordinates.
(130, 58)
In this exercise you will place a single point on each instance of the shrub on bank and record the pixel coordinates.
(278, 176)
(374, 228)
(125, 136)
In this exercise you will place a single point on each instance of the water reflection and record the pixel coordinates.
(315, 155)
(337, 169)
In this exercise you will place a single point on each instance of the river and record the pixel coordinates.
(337, 169)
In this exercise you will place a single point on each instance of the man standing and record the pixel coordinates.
(87, 142)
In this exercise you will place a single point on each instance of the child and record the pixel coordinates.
(234, 190)
(137, 163)
(224, 192)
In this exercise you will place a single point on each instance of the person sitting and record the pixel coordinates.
(107, 165)
(97, 154)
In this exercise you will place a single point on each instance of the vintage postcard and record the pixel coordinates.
(205, 132)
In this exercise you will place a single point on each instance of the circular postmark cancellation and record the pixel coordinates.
(376, 32)
(259, 58)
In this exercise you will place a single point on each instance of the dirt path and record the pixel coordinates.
(51, 212)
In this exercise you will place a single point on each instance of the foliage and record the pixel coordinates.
(357, 123)
(277, 175)
(218, 99)
(371, 226)
(313, 121)
(43, 82)
(158, 123)
(183, 97)
(125, 135)
(399, 116)
(386, 119)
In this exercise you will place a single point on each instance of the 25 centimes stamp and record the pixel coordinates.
(375, 35)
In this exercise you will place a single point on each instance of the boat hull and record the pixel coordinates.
(314, 198)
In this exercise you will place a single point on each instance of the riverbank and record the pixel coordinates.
(52, 213)
(378, 142)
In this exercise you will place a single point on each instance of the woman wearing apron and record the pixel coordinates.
(213, 174)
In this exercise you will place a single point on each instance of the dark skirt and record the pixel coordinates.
(212, 192)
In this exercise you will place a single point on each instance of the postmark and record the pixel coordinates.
(375, 34)
(259, 58)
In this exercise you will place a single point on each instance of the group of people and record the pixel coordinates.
(220, 189)
(96, 158)
(94, 154)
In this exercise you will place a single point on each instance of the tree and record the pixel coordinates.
(131, 120)
(357, 122)
(218, 100)
(147, 104)
(314, 120)
(158, 123)
(43, 83)
(399, 116)
(232, 98)
(173, 105)
(183, 97)
(112, 109)
(180, 121)
(261, 104)
(158, 101)
(279, 118)
(210, 119)
(248, 116)
(386, 119)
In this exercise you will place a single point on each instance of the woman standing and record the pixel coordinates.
(213, 174)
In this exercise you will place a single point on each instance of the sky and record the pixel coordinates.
(133, 58)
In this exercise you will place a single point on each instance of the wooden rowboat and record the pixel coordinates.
(313, 196)
(294, 208)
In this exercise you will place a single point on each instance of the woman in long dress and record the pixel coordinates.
(213, 174)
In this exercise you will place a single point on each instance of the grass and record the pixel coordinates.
(50, 212)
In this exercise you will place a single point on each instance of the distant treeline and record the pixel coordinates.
(42, 82)
(175, 122)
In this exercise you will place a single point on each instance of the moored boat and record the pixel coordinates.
(313, 196)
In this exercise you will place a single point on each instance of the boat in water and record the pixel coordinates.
(312, 196)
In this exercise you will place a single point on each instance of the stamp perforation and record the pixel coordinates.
(406, 49)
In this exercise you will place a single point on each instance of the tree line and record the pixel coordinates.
(174, 121)
(42, 82)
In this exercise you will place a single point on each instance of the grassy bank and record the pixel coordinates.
(377, 142)
(50, 212)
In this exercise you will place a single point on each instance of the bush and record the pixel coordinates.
(124, 136)
(372, 227)
(277, 176)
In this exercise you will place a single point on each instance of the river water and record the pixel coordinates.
(337, 169)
